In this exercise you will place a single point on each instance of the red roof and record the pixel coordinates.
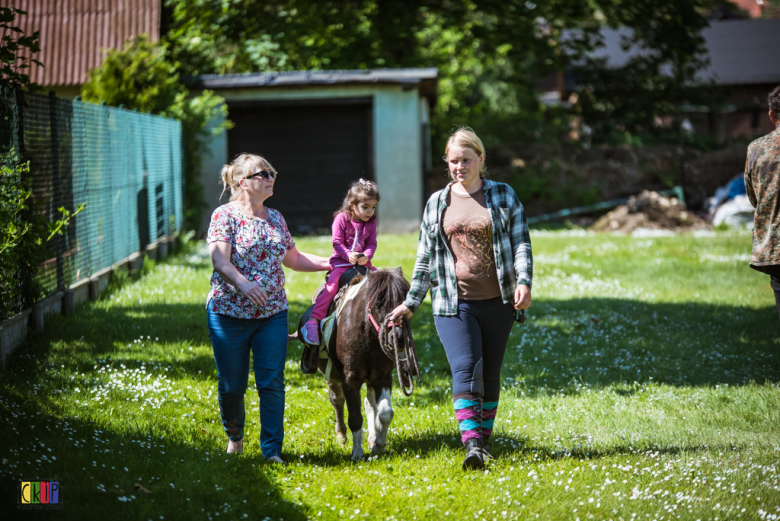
(74, 33)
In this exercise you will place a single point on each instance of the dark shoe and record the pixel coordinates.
(475, 458)
(309, 360)
(486, 450)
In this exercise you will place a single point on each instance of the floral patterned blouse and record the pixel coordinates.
(258, 248)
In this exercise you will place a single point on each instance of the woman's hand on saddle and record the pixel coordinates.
(253, 292)
(522, 297)
(400, 311)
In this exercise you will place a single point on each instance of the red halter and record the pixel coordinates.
(373, 321)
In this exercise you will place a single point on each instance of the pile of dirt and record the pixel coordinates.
(650, 211)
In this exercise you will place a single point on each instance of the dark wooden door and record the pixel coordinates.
(318, 151)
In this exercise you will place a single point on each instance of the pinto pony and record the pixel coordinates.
(364, 350)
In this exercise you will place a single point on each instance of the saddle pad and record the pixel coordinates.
(328, 324)
(349, 295)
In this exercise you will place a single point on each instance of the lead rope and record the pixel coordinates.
(406, 356)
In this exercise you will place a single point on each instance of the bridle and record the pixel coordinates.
(373, 320)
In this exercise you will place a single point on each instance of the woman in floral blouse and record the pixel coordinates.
(247, 306)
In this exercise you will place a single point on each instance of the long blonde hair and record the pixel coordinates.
(466, 137)
(360, 190)
(242, 166)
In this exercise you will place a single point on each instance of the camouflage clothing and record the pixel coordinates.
(762, 180)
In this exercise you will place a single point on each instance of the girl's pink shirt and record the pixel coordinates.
(352, 235)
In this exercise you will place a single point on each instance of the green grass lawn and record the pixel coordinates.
(643, 386)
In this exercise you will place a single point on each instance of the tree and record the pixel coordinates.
(658, 79)
(142, 76)
(489, 53)
(485, 53)
(16, 51)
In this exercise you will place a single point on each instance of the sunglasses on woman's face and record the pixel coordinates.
(264, 174)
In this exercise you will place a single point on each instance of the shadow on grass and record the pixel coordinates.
(31, 421)
(98, 464)
(601, 342)
(504, 447)
(565, 345)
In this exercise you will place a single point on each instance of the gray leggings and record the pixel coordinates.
(475, 342)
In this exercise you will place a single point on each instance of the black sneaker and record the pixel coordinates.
(475, 457)
(486, 450)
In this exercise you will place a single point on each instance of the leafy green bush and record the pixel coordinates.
(545, 185)
(14, 202)
(23, 237)
(142, 76)
(23, 232)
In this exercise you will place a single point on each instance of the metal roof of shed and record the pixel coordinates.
(75, 33)
(426, 79)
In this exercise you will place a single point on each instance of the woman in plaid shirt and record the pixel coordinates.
(474, 254)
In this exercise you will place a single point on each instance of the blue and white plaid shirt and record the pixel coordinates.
(435, 264)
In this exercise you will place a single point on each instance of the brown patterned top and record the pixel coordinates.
(469, 231)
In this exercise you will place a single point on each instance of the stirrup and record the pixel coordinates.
(309, 359)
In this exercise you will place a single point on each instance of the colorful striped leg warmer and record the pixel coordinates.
(468, 411)
(489, 408)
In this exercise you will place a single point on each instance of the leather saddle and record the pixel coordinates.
(344, 281)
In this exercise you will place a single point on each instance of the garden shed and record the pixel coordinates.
(323, 129)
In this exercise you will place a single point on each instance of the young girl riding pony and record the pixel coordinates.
(354, 242)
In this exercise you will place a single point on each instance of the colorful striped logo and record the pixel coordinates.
(39, 493)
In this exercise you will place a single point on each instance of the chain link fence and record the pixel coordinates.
(126, 166)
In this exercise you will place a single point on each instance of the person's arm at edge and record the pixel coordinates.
(421, 279)
(304, 262)
(523, 257)
(421, 275)
(749, 182)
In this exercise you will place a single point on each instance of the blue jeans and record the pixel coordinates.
(232, 339)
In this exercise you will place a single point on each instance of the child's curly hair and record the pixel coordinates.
(360, 190)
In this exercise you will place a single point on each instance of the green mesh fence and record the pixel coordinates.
(126, 166)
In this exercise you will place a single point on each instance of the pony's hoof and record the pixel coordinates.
(376, 450)
(357, 456)
(341, 434)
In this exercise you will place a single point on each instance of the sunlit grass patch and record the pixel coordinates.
(643, 386)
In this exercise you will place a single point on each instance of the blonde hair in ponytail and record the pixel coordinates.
(242, 166)
(465, 137)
